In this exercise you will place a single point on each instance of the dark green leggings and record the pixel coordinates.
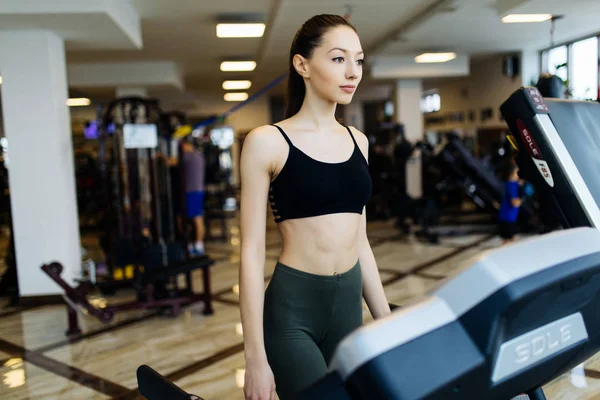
(305, 317)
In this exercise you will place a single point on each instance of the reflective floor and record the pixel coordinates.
(204, 354)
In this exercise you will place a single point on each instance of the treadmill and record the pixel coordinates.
(558, 151)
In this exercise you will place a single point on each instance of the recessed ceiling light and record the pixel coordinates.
(78, 102)
(519, 18)
(238, 66)
(240, 30)
(239, 96)
(435, 57)
(236, 85)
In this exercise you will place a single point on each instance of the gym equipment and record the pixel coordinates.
(182, 132)
(89, 186)
(454, 169)
(516, 319)
(154, 386)
(151, 293)
(9, 282)
(217, 144)
(557, 142)
(138, 197)
(172, 192)
(139, 187)
(479, 183)
(446, 176)
(221, 200)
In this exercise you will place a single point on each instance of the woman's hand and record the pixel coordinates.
(259, 383)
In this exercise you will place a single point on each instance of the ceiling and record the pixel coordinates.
(183, 31)
(476, 28)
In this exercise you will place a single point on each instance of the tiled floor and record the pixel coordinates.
(204, 354)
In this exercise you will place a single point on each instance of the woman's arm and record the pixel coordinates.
(373, 292)
(255, 180)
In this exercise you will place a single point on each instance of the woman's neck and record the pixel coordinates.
(317, 113)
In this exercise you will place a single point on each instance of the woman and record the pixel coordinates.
(314, 173)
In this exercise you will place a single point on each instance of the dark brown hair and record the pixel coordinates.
(308, 37)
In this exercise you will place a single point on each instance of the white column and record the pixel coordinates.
(41, 173)
(530, 67)
(407, 97)
(131, 92)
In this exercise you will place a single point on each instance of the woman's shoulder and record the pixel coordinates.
(261, 135)
(261, 131)
(361, 139)
(264, 139)
(358, 134)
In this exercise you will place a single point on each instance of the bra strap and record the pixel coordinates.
(287, 139)
(352, 136)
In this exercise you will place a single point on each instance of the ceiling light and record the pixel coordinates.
(517, 18)
(240, 96)
(240, 30)
(78, 102)
(236, 85)
(238, 66)
(435, 57)
(0, 80)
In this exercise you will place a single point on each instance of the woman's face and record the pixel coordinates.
(335, 68)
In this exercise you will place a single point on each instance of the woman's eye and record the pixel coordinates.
(338, 59)
(360, 62)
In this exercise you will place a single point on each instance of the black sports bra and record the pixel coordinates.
(306, 187)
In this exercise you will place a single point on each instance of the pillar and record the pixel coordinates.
(41, 173)
(131, 92)
(407, 98)
(530, 67)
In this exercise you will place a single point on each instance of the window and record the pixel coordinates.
(584, 69)
(545, 61)
(557, 60)
(578, 63)
(431, 103)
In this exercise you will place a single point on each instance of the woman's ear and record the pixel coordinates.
(301, 66)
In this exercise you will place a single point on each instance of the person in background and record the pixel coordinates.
(194, 165)
(509, 208)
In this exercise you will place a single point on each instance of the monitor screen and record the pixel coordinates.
(578, 125)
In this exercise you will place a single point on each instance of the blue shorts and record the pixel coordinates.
(194, 203)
